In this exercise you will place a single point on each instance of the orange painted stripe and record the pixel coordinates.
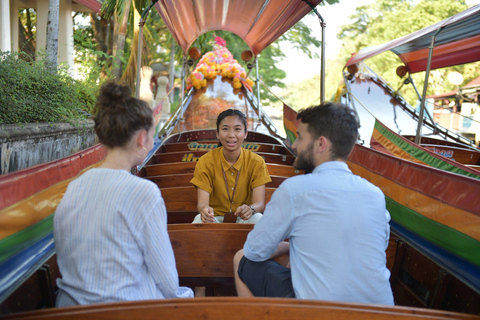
(441, 49)
(393, 148)
(460, 220)
(290, 126)
(35, 208)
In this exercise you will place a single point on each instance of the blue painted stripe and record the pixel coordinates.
(19, 267)
(457, 266)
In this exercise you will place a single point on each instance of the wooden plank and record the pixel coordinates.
(185, 198)
(193, 156)
(234, 308)
(207, 250)
(212, 144)
(189, 167)
(183, 180)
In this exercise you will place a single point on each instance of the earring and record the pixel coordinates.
(141, 157)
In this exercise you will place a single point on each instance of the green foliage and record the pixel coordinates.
(31, 94)
(303, 94)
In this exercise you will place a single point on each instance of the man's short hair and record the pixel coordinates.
(336, 122)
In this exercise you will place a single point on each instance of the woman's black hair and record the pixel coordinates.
(119, 115)
(228, 113)
(231, 112)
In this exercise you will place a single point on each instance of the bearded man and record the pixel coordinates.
(336, 223)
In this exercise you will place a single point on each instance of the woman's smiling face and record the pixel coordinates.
(231, 133)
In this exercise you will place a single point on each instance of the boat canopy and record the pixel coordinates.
(257, 22)
(457, 42)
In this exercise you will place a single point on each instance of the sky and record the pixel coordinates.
(297, 65)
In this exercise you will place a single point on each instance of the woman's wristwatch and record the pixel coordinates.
(253, 209)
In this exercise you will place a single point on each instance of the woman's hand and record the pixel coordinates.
(244, 212)
(207, 215)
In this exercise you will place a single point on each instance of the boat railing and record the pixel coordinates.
(262, 115)
(427, 121)
(167, 129)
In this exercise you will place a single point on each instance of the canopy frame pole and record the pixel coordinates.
(184, 63)
(322, 65)
(257, 81)
(410, 80)
(143, 19)
(425, 85)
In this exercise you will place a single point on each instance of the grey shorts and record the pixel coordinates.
(266, 278)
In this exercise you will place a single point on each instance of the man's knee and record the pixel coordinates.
(236, 259)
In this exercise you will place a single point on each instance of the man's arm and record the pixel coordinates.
(203, 206)
(275, 226)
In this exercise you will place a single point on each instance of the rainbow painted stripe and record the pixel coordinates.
(385, 140)
(439, 206)
(290, 123)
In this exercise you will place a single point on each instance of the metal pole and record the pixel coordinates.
(322, 67)
(425, 85)
(257, 82)
(322, 85)
(182, 93)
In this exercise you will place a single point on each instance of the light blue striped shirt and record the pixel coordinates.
(337, 224)
(112, 242)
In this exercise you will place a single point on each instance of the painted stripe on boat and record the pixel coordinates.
(427, 206)
(17, 242)
(414, 153)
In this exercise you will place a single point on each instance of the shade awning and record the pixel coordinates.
(257, 22)
(457, 42)
(93, 5)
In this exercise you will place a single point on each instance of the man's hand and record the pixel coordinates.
(207, 215)
(244, 212)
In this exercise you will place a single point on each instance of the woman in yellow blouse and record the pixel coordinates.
(230, 179)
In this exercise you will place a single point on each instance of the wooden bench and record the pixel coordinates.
(234, 308)
(185, 198)
(192, 156)
(189, 167)
(183, 180)
(208, 145)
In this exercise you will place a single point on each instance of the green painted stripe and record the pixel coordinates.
(16, 242)
(290, 135)
(445, 237)
(420, 154)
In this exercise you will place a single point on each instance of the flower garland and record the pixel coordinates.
(218, 62)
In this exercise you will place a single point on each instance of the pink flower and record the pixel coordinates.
(220, 41)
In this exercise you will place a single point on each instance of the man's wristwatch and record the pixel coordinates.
(253, 210)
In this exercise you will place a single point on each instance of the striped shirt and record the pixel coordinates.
(112, 243)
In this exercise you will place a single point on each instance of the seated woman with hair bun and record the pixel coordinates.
(110, 228)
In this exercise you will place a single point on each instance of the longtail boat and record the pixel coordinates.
(433, 252)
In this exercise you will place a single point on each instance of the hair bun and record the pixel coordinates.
(116, 92)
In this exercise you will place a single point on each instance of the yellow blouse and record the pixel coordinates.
(208, 176)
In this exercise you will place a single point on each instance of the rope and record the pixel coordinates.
(263, 84)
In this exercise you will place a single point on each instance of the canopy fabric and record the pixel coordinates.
(457, 42)
(257, 22)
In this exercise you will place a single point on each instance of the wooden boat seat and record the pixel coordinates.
(208, 145)
(234, 308)
(185, 198)
(183, 180)
(189, 167)
(193, 156)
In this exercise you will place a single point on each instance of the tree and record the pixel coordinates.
(51, 48)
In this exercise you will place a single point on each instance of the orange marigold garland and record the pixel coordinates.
(219, 61)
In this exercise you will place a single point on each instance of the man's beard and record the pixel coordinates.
(304, 160)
